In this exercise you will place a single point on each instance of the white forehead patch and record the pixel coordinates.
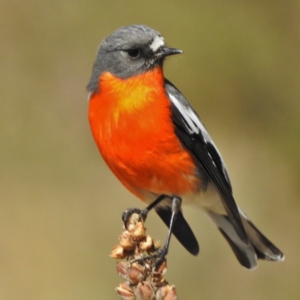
(157, 42)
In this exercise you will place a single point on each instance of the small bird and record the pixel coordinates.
(156, 145)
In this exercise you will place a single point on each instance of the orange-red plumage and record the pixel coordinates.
(132, 126)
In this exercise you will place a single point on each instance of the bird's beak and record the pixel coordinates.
(165, 51)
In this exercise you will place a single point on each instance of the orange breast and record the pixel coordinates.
(131, 123)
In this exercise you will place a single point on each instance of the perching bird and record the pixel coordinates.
(156, 145)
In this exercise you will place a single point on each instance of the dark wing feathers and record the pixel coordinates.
(181, 229)
(197, 141)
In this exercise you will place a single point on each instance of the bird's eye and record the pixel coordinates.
(134, 53)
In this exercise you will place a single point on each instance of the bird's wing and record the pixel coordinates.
(195, 138)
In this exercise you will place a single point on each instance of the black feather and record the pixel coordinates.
(181, 229)
(198, 142)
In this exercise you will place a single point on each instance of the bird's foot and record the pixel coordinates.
(127, 215)
(155, 260)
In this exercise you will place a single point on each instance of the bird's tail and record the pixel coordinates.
(259, 247)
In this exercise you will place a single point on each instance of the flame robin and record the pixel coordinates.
(156, 145)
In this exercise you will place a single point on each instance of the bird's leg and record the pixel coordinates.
(162, 253)
(141, 212)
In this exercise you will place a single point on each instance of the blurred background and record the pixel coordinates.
(60, 207)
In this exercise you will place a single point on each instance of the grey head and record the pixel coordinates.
(129, 51)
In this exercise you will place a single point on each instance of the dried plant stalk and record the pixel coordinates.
(144, 277)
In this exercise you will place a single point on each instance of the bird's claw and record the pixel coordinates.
(155, 260)
(142, 213)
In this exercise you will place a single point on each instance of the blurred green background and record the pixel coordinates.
(60, 206)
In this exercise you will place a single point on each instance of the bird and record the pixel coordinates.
(155, 143)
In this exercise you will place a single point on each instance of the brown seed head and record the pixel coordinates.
(125, 291)
(138, 231)
(132, 221)
(162, 268)
(118, 252)
(147, 244)
(144, 291)
(166, 293)
(133, 273)
(122, 268)
(125, 240)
